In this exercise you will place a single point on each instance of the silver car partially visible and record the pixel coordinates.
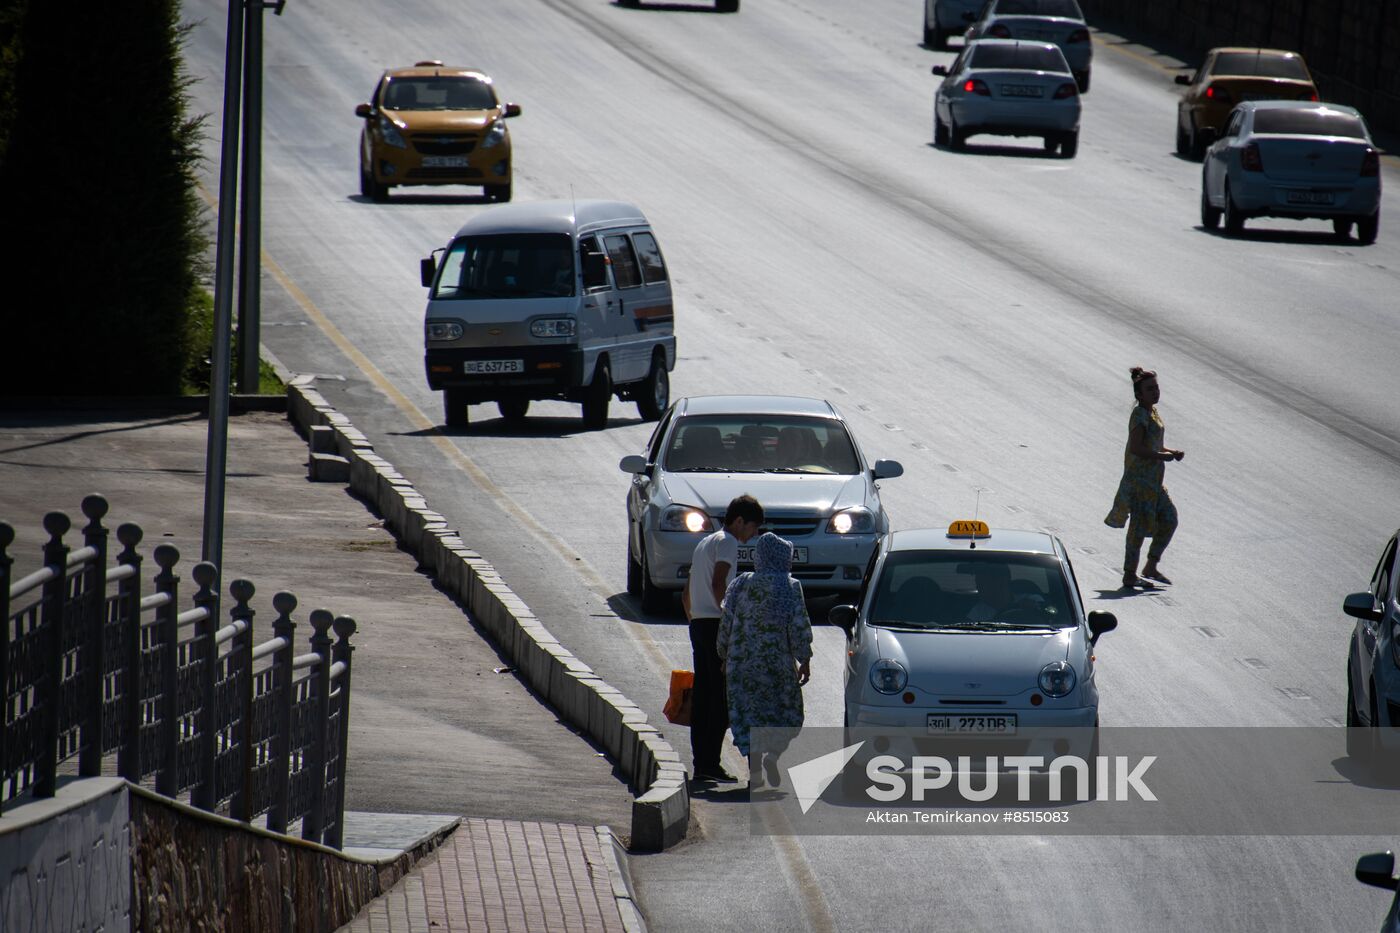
(795, 455)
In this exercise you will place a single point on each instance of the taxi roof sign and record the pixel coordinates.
(968, 528)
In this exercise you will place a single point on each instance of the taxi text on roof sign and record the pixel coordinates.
(965, 528)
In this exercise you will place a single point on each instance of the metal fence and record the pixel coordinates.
(91, 666)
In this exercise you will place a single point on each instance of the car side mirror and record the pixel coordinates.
(1100, 621)
(1377, 870)
(1361, 606)
(1183, 79)
(512, 110)
(844, 618)
(887, 469)
(940, 70)
(427, 268)
(364, 110)
(633, 463)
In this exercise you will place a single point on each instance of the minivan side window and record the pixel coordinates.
(653, 266)
(587, 245)
(624, 261)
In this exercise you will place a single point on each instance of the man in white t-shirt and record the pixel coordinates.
(711, 569)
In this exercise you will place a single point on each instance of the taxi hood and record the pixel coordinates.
(974, 664)
(779, 492)
(443, 121)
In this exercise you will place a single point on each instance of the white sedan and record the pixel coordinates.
(1297, 159)
(1008, 87)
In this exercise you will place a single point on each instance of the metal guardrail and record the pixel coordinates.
(91, 667)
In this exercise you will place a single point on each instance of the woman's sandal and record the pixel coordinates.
(1156, 575)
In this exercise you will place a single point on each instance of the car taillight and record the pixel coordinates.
(999, 31)
(1218, 93)
(1310, 96)
(1079, 35)
(1250, 159)
(1066, 90)
(1370, 164)
(976, 86)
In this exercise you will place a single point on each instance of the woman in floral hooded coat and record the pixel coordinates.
(765, 642)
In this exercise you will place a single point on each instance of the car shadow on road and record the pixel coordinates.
(986, 149)
(525, 427)
(670, 7)
(424, 199)
(1285, 236)
(1380, 774)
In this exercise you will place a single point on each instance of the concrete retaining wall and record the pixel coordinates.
(661, 807)
(1348, 44)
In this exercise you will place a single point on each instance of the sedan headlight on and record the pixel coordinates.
(1057, 679)
(553, 327)
(495, 136)
(888, 676)
(391, 133)
(856, 521)
(438, 330)
(685, 518)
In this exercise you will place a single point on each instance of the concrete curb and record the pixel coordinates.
(661, 802)
(620, 878)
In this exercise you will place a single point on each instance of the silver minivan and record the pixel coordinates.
(550, 300)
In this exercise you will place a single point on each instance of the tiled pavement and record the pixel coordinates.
(508, 875)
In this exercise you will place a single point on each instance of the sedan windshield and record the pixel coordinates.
(438, 93)
(1019, 58)
(761, 444)
(971, 590)
(1309, 123)
(1258, 65)
(516, 265)
(1067, 8)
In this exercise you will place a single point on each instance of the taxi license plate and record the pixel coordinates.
(799, 554)
(1309, 197)
(971, 725)
(485, 367)
(445, 162)
(1021, 90)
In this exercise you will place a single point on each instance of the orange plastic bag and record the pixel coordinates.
(677, 708)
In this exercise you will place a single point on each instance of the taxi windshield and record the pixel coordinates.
(761, 444)
(968, 590)
(438, 93)
(517, 265)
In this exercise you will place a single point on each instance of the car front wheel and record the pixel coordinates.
(595, 402)
(454, 408)
(654, 598)
(1069, 145)
(1210, 214)
(1234, 220)
(372, 189)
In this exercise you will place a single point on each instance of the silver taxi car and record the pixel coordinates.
(971, 632)
(795, 455)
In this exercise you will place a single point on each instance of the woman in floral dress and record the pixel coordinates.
(765, 642)
(1141, 494)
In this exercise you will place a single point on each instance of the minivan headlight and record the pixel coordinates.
(391, 134)
(494, 136)
(1057, 679)
(888, 676)
(438, 330)
(685, 518)
(553, 327)
(855, 521)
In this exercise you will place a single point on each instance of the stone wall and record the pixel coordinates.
(1348, 44)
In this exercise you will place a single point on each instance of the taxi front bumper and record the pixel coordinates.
(407, 166)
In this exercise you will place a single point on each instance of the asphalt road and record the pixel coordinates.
(974, 315)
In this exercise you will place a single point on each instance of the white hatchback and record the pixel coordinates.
(1007, 87)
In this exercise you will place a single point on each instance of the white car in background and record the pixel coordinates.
(795, 455)
(1057, 21)
(1008, 87)
(944, 18)
(1298, 159)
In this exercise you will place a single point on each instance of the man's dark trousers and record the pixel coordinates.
(709, 710)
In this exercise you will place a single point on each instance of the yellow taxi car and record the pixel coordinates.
(1227, 77)
(435, 125)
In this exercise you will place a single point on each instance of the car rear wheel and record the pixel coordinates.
(1196, 143)
(1367, 228)
(1183, 142)
(1081, 78)
(654, 395)
(595, 402)
(513, 409)
(454, 408)
(1069, 145)
(1210, 214)
(940, 131)
(957, 138)
(1051, 143)
(1234, 220)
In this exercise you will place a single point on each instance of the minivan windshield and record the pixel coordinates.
(761, 444)
(971, 591)
(1309, 123)
(510, 265)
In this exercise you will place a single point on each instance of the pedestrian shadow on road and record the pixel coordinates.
(1126, 593)
(719, 793)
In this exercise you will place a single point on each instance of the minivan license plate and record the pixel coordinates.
(939, 724)
(485, 367)
(799, 554)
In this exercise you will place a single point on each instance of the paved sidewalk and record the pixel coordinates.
(506, 875)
